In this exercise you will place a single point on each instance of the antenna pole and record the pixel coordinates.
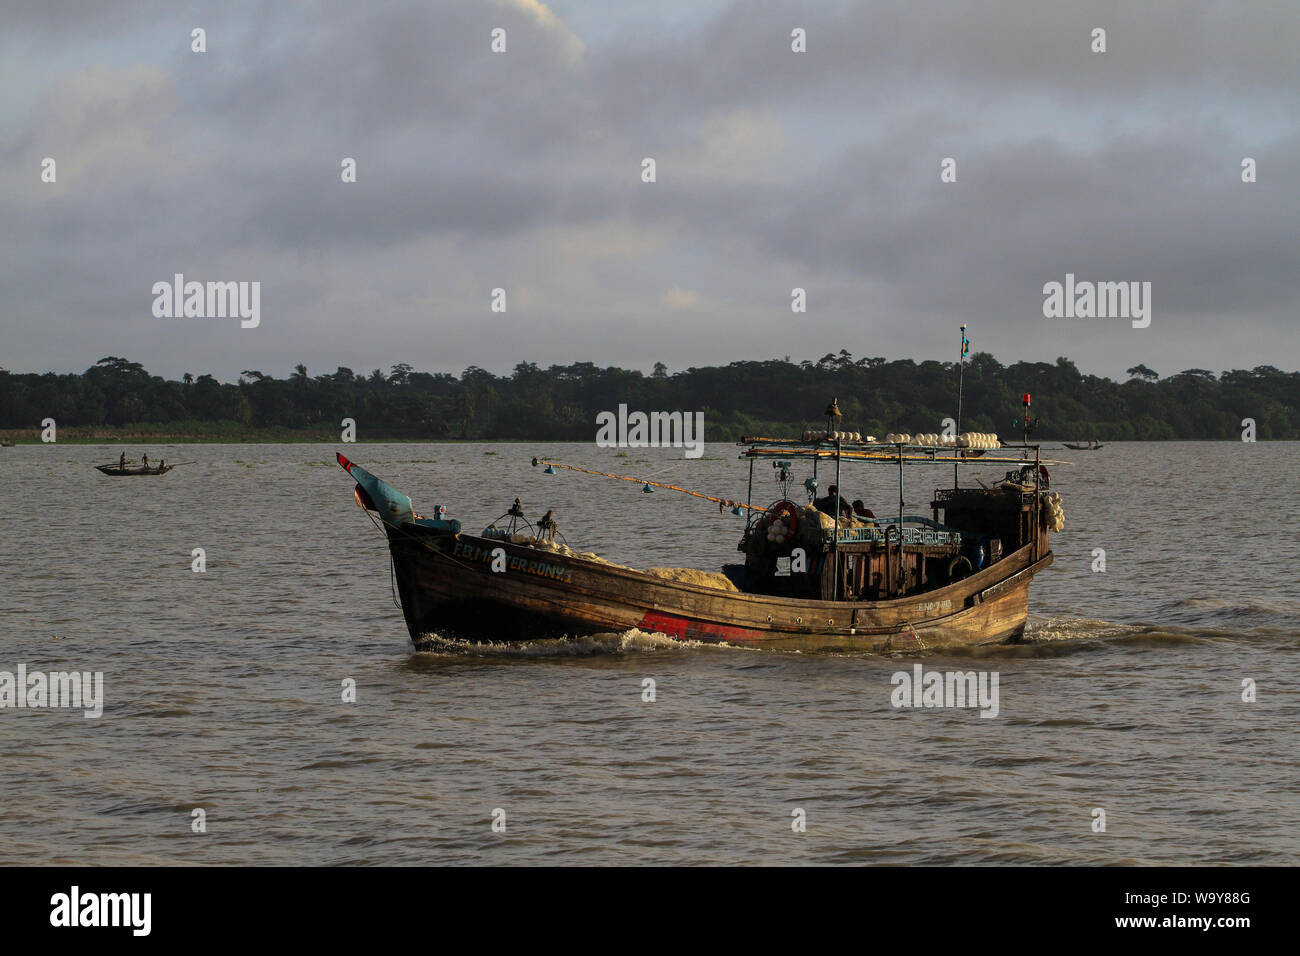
(961, 376)
(835, 548)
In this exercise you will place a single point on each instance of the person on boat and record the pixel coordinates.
(861, 511)
(121, 462)
(828, 504)
(162, 464)
(146, 461)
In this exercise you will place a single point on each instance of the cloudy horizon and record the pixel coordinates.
(522, 171)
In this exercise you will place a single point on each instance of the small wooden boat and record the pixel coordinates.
(1083, 445)
(901, 583)
(118, 471)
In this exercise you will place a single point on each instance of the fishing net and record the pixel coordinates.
(704, 579)
(1053, 513)
(555, 546)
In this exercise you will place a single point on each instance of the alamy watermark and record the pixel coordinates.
(58, 689)
(923, 688)
(75, 908)
(651, 430)
(1098, 300)
(208, 300)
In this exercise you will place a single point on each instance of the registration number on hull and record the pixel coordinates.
(512, 562)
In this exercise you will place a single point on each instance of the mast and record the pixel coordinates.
(833, 412)
(961, 375)
(1038, 500)
(898, 576)
(749, 497)
(835, 548)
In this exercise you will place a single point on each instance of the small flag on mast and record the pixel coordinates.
(965, 343)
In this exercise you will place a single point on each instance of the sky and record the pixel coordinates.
(523, 171)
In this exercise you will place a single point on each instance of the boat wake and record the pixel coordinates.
(1235, 613)
(1063, 629)
(634, 641)
(1044, 636)
(1070, 630)
(1061, 635)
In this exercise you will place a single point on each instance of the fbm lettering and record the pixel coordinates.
(542, 569)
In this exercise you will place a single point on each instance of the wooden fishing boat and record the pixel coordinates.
(118, 471)
(905, 582)
(1083, 445)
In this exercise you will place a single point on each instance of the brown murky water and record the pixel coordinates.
(223, 688)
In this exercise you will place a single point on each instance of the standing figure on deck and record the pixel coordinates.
(831, 502)
(862, 512)
(121, 462)
(146, 462)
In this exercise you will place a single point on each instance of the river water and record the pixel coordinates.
(223, 689)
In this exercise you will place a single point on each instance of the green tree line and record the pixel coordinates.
(777, 397)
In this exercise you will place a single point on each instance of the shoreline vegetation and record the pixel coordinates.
(116, 401)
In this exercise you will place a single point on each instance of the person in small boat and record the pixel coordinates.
(121, 462)
(146, 461)
(162, 463)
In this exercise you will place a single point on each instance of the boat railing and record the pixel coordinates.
(915, 529)
(942, 495)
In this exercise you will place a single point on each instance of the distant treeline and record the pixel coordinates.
(771, 398)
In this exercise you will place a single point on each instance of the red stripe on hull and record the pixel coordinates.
(687, 630)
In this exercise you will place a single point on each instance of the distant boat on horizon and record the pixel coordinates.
(117, 471)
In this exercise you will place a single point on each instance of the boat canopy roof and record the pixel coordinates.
(886, 452)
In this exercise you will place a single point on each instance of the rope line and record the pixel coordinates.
(643, 481)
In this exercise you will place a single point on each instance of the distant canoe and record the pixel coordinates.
(117, 471)
(1083, 445)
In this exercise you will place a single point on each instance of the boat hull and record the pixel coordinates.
(116, 471)
(448, 588)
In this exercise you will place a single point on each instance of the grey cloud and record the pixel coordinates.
(475, 169)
